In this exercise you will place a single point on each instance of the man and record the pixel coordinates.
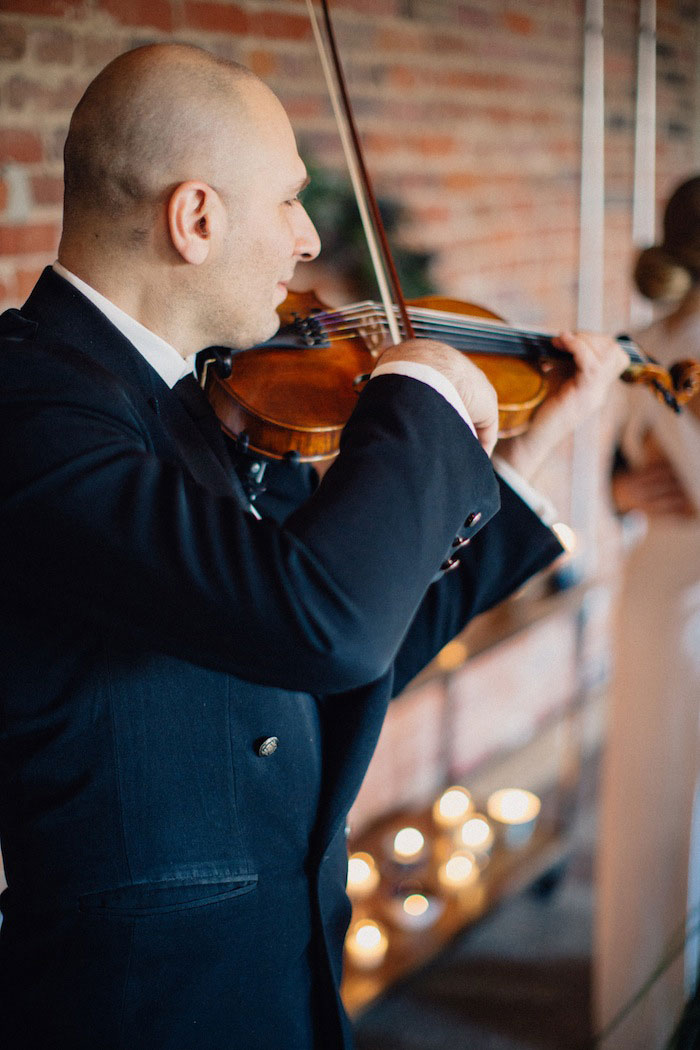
(192, 695)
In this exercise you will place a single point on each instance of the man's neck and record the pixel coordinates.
(140, 297)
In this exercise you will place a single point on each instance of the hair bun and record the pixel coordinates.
(659, 275)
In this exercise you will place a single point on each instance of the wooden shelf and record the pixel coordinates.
(507, 872)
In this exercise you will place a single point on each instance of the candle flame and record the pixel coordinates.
(458, 868)
(408, 842)
(513, 806)
(360, 867)
(368, 934)
(416, 904)
(454, 803)
(476, 832)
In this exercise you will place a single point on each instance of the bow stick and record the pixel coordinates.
(382, 261)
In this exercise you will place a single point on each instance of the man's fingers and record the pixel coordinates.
(488, 435)
(593, 351)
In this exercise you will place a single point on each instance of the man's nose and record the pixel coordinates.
(308, 242)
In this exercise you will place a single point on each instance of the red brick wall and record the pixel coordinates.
(470, 111)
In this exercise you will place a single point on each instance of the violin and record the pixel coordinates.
(292, 396)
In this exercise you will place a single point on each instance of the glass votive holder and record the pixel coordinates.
(363, 876)
(476, 835)
(415, 911)
(452, 807)
(366, 944)
(514, 813)
(459, 872)
(407, 849)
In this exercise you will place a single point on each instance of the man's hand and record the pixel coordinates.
(599, 360)
(476, 392)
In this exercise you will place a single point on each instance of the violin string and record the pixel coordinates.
(462, 337)
(435, 322)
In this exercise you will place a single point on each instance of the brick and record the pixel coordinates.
(13, 40)
(280, 26)
(53, 46)
(97, 51)
(474, 17)
(55, 8)
(518, 23)
(264, 63)
(156, 13)
(25, 240)
(19, 145)
(47, 189)
(403, 77)
(26, 279)
(430, 213)
(215, 18)
(22, 92)
(304, 108)
(54, 143)
(372, 7)
(435, 145)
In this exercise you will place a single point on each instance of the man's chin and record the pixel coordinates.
(254, 337)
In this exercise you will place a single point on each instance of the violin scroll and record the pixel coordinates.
(674, 386)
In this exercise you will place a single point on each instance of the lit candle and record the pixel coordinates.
(476, 834)
(459, 872)
(409, 846)
(452, 807)
(515, 812)
(415, 912)
(363, 876)
(366, 944)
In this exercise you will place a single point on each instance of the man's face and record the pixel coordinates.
(268, 232)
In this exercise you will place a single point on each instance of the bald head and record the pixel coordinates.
(181, 201)
(155, 117)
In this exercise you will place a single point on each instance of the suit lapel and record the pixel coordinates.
(179, 432)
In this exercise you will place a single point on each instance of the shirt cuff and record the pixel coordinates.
(536, 501)
(431, 377)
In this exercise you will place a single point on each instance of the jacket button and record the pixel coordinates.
(268, 746)
(460, 541)
(473, 519)
(449, 564)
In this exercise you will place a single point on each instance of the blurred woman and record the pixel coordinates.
(648, 876)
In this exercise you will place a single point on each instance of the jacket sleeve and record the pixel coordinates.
(508, 551)
(95, 526)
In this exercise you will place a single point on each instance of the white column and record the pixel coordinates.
(696, 123)
(644, 192)
(591, 244)
(585, 457)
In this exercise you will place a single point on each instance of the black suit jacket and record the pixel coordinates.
(172, 885)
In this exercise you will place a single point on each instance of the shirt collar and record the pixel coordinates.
(161, 356)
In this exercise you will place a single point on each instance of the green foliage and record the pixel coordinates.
(331, 204)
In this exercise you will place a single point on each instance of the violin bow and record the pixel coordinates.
(675, 387)
(375, 234)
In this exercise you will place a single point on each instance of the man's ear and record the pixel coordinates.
(193, 211)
